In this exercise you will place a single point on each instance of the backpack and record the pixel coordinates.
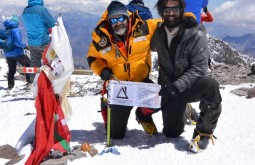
(6, 42)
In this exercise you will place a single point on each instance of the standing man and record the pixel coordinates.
(195, 6)
(121, 48)
(183, 62)
(38, 23)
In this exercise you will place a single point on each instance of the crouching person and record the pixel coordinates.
(121, 49)
(183, 63)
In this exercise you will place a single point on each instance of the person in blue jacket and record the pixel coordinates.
(143, 11)
(195, 6)
(17, 53)
(38, 23)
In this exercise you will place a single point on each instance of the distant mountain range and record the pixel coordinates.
(245, 44)
(223, 52)
(79, 26)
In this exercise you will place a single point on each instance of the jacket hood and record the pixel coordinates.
(35, 2)
(10, 24)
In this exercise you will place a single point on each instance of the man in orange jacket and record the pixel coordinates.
(120, 48)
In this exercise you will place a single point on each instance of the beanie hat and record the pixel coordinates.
(137, 2)
(116, 8)
(15, 18)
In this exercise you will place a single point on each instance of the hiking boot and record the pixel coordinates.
(29, 86)
(149, 127)
(200, 141)
(10, 87)
(147, 122)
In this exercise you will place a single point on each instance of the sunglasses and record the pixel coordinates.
(174, 9)
(119, 19)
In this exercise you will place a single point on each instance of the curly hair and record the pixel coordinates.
(161, 3)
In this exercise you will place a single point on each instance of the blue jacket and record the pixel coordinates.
(37, 21)
(16, 39)
(143, 12)
(195, 7)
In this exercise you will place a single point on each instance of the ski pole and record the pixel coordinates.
(108, 126)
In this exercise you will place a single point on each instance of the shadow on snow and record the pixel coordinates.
(134, 138)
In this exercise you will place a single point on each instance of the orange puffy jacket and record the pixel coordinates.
(131, 65)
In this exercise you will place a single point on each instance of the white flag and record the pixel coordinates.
(138, 94)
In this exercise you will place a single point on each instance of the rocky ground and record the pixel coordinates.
(225, 74)
(232, 74)
(235, 75)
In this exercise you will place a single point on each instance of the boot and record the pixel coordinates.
(147, 122)
(205, 126)
(200, 141)
(11, 82)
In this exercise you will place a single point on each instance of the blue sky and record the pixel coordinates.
(231, 17)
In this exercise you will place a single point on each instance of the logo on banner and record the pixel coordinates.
(122, 94)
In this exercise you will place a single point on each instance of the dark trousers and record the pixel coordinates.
(205, 90)
(12, 63)
(36, 57)
(120, 115)
(119, 120)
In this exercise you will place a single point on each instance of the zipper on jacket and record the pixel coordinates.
(126, 66)
(129, 50)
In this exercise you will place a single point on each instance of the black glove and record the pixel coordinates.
(26, 48)
(168, 91)
(106, 74)
(205, 9)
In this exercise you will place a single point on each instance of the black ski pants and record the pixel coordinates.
(205, 90)
(119, 117)
(12, 63)
(119, 120)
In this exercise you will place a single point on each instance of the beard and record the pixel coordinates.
(120, 30)
(172, 21)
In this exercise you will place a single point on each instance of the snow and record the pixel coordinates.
(234, 144)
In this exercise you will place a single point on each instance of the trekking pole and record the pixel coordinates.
(108, 143)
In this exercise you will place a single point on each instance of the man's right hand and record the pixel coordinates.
(106, 74)
(168, 91)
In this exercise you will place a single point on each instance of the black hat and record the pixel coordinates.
(116, 8)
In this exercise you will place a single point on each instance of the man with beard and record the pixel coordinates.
(120, 49)
(182, 56)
